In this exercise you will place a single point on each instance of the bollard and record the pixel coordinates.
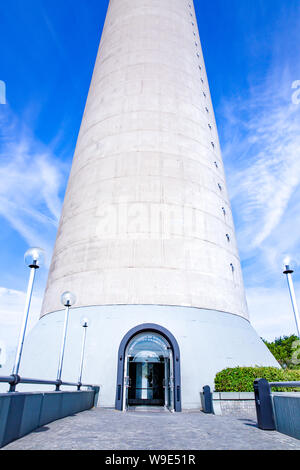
(208, 407)
(263, 403)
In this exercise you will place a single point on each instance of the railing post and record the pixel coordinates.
(208, 406)
(58, 384)
(263, 403)
(14, 382)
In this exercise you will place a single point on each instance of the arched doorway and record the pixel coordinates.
(148, 369)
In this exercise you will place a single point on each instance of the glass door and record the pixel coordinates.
(146, 384)
(148, 372)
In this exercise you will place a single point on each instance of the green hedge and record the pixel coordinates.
(240, 379)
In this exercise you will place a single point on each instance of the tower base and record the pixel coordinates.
(208, 342)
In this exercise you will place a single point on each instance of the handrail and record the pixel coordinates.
(5, 379)
(13, 380)
(284, 384)
(25, 412)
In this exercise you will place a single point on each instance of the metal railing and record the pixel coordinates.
(14, 379)
(285, 384)
(26, 411)
(263, 402)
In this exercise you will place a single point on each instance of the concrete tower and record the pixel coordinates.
(146, 239)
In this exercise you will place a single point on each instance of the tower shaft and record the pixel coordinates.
(146, 217)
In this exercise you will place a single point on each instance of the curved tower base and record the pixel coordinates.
(208, 342)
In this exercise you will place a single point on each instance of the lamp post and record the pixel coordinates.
(34, 258)
(288, 271)
(67, 299)
(84, 324)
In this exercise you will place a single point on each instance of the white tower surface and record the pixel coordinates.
(146, 234)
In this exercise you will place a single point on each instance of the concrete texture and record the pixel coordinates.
(209, 341)
(146, 212)
(141, 430)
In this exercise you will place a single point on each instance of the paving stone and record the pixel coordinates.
(107, 429)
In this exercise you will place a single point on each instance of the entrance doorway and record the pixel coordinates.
(148, 369)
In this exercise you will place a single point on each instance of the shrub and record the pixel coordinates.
(240, 379)
(286, 350)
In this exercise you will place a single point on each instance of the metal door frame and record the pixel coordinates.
(151, 327)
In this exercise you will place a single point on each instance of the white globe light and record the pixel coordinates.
(34, 257)
(68, 299)
(290, 262)
(85, 322)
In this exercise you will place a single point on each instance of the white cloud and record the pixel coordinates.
(260, 130)
(31, 179)
(30, 202)
(266, 149)
(271, 312)
(262, 158)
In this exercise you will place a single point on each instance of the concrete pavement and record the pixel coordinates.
(107, 429)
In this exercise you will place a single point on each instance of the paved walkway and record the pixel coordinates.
(108, 429)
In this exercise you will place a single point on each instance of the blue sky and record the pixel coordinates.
(252, 54)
